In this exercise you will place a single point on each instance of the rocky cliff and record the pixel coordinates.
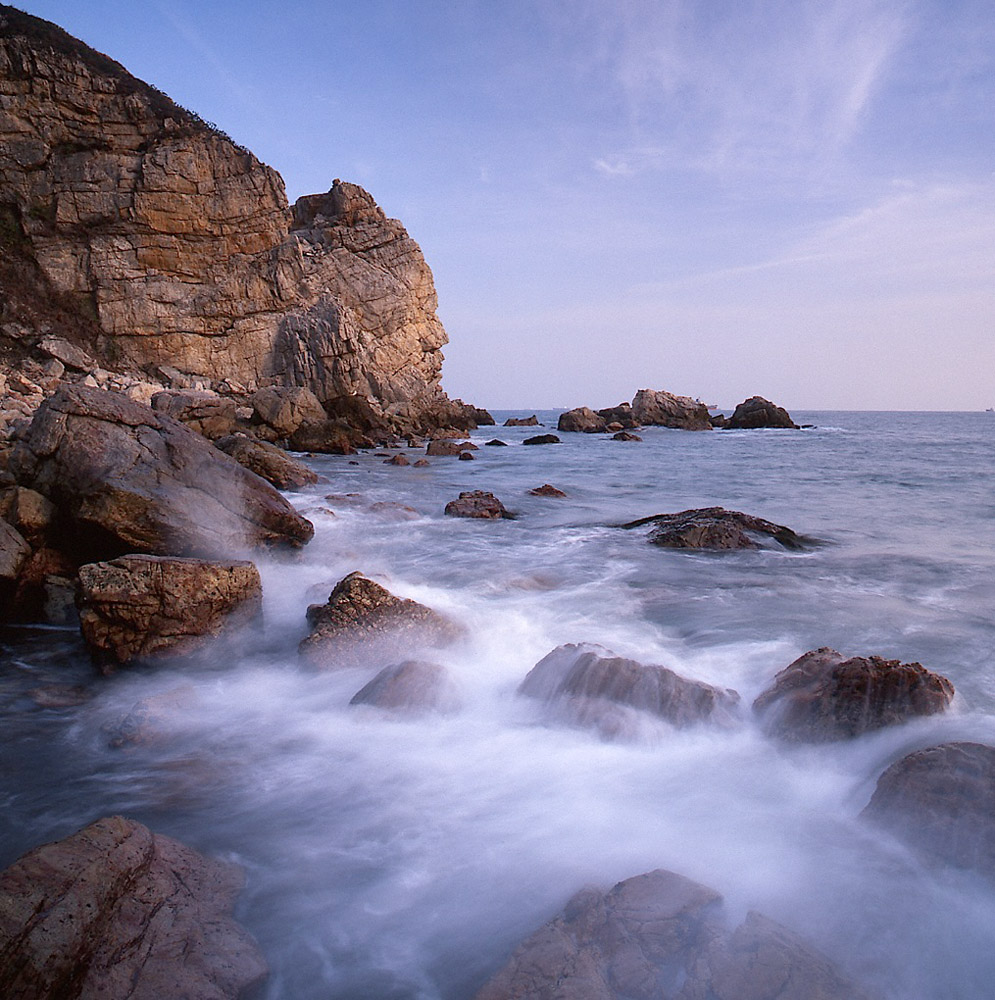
(145, 236)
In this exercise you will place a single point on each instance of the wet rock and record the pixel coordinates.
(151, 720)
(14, 552)
(824, 695)
(718, 419)
(542, 439)
(394, 511)
(715, 528)
(130, 479)
(119, 913)
(142, 607)
(581, 419)
(758, 412)
(60, 695)
(626, 436)
(448, 447)
(941, 800)
(421, 463)
(364, 624)
(29, 512)
(664, 409)
(585, 684)
(522, 421)
(618, 418)
(466, 456)
(402, 459)
(476, 503)
(546, 490)
(267, 461)
(496, 443)
(202, 411)
(413, 686)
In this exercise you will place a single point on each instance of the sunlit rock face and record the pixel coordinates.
(170, 245)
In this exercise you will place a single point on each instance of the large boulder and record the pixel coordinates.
(715, 528)
(284, 409)
(364, 625)
(660, 936)
(941, 800)
(542, 439)
(758, 412)
(824, 695)
(411, 687)
(663, 409)
(267, 461)
(202, 411)
(125, 478)
(116, 912)
(585, 684)
(142, 607)
(583, 419)
(478, 504)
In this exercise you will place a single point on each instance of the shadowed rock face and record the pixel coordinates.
(715, 528)
(116, 912)
(941, 800)
(825, 696)
(659, 936)
(364, 624)
(757, 412)
(130, 479)
(587, 685)
(412, 687)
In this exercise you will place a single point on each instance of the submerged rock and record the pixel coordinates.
(364, 624)
(581, 419)
(715, 528)
(413, 686)
(824, 695)
(476, 503)
(447, 448)
(626, 436)
(542, 439)
(496, 443)
(267, 461)
(587, 685)
(117, 912)
(664, 409)
(757, 412)
(941, 800)
(141, 607)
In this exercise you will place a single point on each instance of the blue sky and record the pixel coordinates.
(795, 199)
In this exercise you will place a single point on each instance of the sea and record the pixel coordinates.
(404, 857)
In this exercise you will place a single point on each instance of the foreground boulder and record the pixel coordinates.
(268, 462)
(126, 478)
(142, 607)
(363, 624)
(660, 936)
(581, 419)
(941, 800)
(757, 412)
(824, 695)
(715, 528)
(116, 912)
(663, 409)
(476, 503)
(412, 687)
(587, 685)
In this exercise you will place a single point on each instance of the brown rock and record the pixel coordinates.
(132, 479)
(664, 409)
(410, 687)
(715, 528)
(46, 588)
(29, 512)
(142, 607)
(496, 443)
(542, 439)
(287, 408)
(522, 421)
(626, 436)
(941, 800)
(546, 490)
(582, 419)
(402, 459)
(585, 684)
(620, 415)
(476, 503)
(116, 912)
(447, 447)
(364, 624)
(824, 696)
(466, 456)
(267, 461)
(758, 412)
(14, 551)
(421, 463)
(202, 411)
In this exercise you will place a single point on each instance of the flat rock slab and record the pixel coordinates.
(715, 528)
(116, 912)
(941, 800)
(824, 696)
(477, 503)
(142, 607)
(660, 936)
(413, 687)
(364, 624)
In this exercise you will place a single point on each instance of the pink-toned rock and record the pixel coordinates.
(546, 490)
(411, 687)
(478, 504)
(664, 409)
(268, 462)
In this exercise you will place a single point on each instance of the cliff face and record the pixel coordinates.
(149, 238)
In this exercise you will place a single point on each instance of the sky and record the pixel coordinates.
(784, 198)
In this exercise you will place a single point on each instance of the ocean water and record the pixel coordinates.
(404, 858)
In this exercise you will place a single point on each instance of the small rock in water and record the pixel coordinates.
(477, 503)
(542, 439)
(421, 463)
(466, 456)
(447, 447)
(626, 436)
(496, 443)
(825, 696)
(546, 490)
(522, 421)
(399, 459)
(714, 528)
(412, 686)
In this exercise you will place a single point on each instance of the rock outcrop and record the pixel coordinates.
(125, 478)
(117, 912)
(657, 408)
(660, 936)
(824, 695)
(542, 439)
(715, 528)
(581, 419)
(478, 504)
(941, 800)
(522, 421)
(163, 251)
(142, 607)
(758, 412)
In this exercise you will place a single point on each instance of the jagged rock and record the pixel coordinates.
(46, 588)
(664, 409)
(546, 490)
(824, 695)
(476, 503)
(626, 436)
(331, 437)
(364, 624)
(14, 552)
(266, 460)
(286, 408)
(715, 528)
(67, 354)
(447, 448)
(117, 912)
(29, 512)
(478, 414)
(758, 412)
(522, 421)
(202, 411)
(496, 443)
(128, 478)
(581, 419)
(718, 420)
(620, 415)
(542, 439)
(586, 684)
(660, 936)
(410, 687)
(142, 607)
(941, 800)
